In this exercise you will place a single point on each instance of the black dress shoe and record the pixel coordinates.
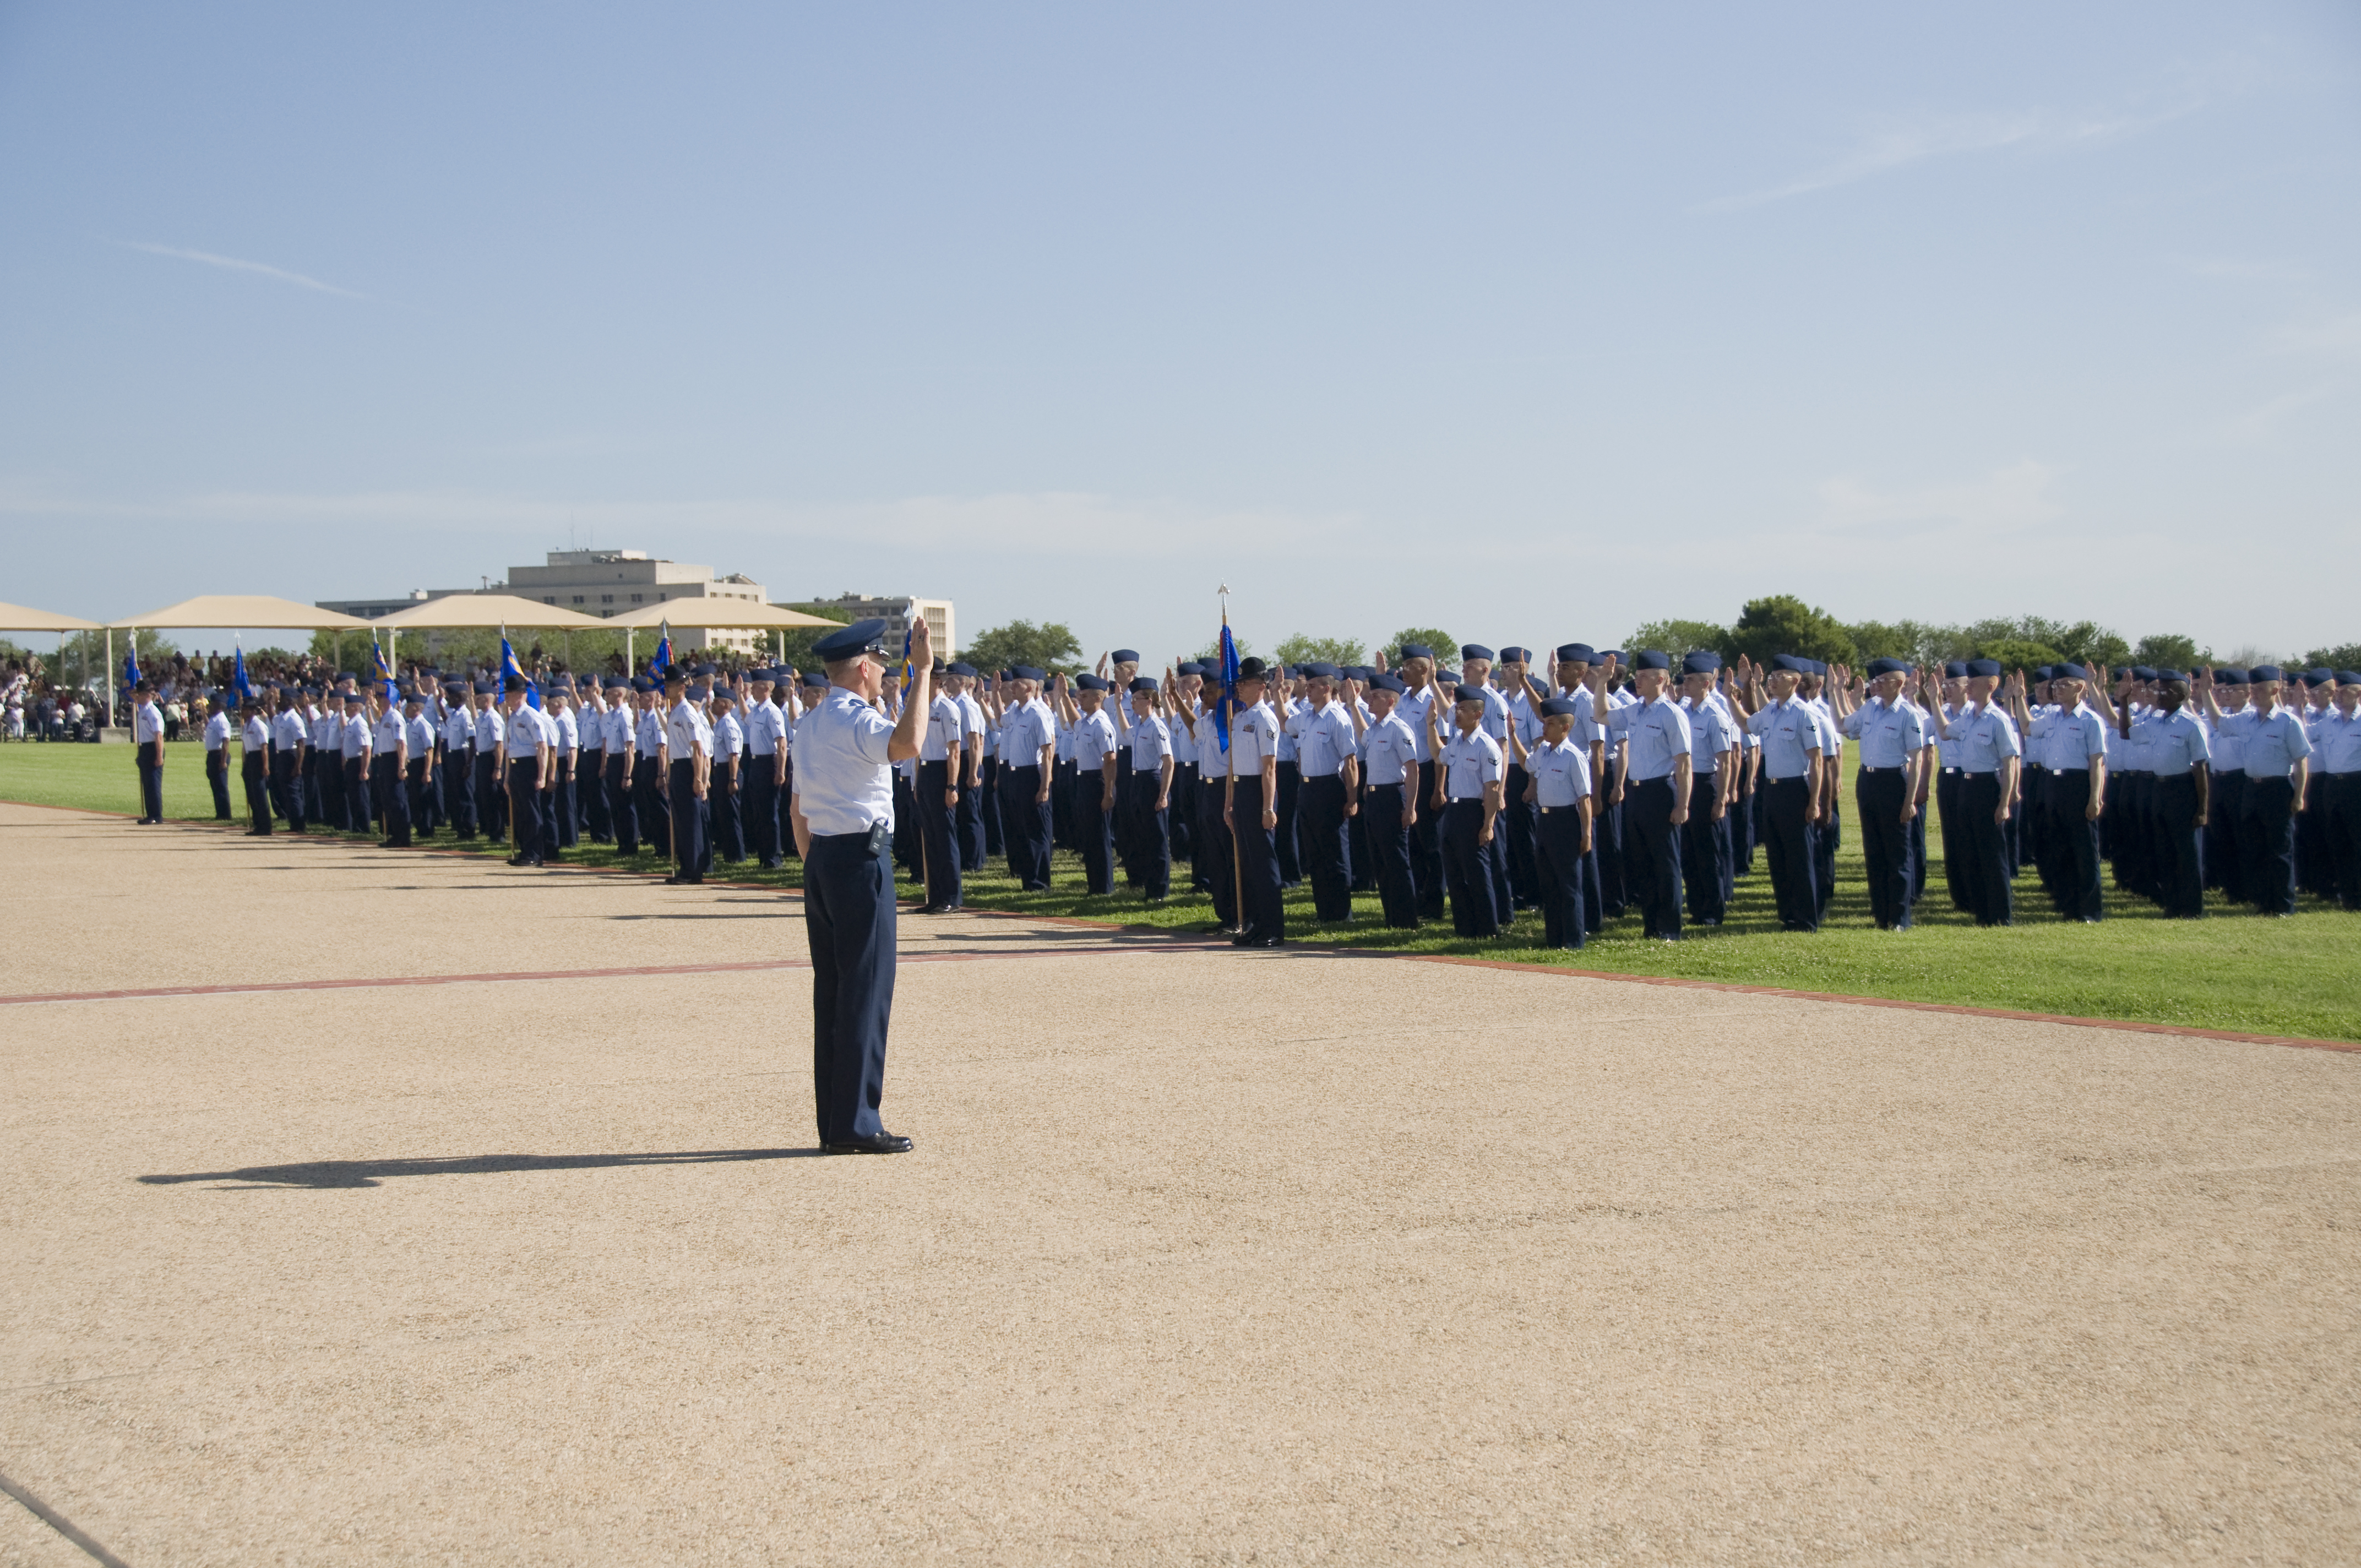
(884, 1143)
(931, 909)
(522, 860)
(677, 881)
(1256, 942)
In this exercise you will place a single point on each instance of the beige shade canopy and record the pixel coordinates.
(701, 613)
(454, 611)
(260, 611)
(17, 618)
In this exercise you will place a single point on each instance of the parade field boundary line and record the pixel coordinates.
(1308, 945)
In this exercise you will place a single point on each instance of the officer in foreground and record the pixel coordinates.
(844, 814)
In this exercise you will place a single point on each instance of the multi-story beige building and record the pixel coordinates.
(896, 613)
(604, 582)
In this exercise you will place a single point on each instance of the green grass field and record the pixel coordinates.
(2236, 971)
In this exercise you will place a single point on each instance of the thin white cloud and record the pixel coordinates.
(2005, 501)
(1898, 146)
(232, 264)
(2338, 337)
(2265, 422)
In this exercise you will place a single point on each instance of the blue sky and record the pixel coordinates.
(1530, 322)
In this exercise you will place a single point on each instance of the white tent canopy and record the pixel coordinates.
(17, 617)
(715, 613)
(260, 611)
(453, 611)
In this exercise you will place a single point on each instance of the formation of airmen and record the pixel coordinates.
(1584, 785)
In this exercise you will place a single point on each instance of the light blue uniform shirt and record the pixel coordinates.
(1561, 773)
(2229, 746)
(1387, 752)
(843, 782)
(1659, 733)
(766, 726)
(419, 734)
(2338, 742)
(1469, 763)
(1324, 740)
(2174, 743)
(1889, 737)
(1986, 735)
(1712, 733)
(1791, 734)
(2065, 742)
(728, 738)
(1412, 708)
(1151, 742)
(2274, 744)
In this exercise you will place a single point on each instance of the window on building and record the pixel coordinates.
(578, 599)
(546, 599)
(606, 598)
(635, 599)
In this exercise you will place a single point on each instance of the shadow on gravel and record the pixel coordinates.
(329, 1173)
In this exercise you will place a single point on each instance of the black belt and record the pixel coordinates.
(1547, 810)
(1791, 778)
(1892, 770)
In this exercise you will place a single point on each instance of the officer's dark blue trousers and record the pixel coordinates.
(726, 825)
(287, 789)
(759, 800)
(937, 833)
(2072, 839)
(848, 925)
(909, 834)
(491, 796)
(597, 812)
(1024, 827)
(1214, 850)
(1426, 846)
(1746, 814)
(1094, 830)
(988, 810)
(2315, 871)
(1389, 842)
(315, 805)
(688, 846)
(1151, 834)
(1985, 849)
(524, 809)
(334, 812)
(2176, 853)
(257, 792)
(1261, 910)
(418, 786)
(427, 814)
(1827, 838)
(1651, 855)
(355, 818)
(1558, 840)
(1606, 840)
(1705, 853)
(151, 781)
(459, 792)
(967, 826)
(1517, 827)
(654, 811)
(1955, 840)
(1327, 855)
(2266, 844)
(1062, 803)
(1468, 870)
(623, 811)
(1886, 843)
(1787, 845)
(1183, 812)
(217, 779)
(559, 820)
(393, 799)
(2223, 861)
(2340, 799)
(1285, 839)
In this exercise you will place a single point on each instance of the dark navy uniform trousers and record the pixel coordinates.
(849, 925)
(939, 832)
(1024, 827)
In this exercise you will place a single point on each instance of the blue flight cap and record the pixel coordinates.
(1470, 691)
(2143, 673)
(2068, 673)
(483, 688)
(1416, 651)
(1090, 683)
(1700, 663)
(1475, 650)
(813, 680)
(2266, 672)
(1652, 660)
(2318, 675)
(1323, 671)
(705, 669)
(1607, 653)
(1031, 673)
(1986, 668)
(1888, 667)
(1450, 675)
(1797, 667)
(861, 636)
(2043, 672)
(1382, 682)
(1187, 667)
(723, 694)
(1559, 708)
(1576, 653)
(1124, 656)
(346, 675)
(1516, 656)
(962, 668)
(1955, 670)
(617, 683)
(640, 684)
(2347, 678)
(2223, 675)
(2164, 675)
(1143, 684)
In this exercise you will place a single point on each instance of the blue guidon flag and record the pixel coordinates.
(1229, 682)
(238, 681)
(661, 660)
(381, 670)
(512, 670)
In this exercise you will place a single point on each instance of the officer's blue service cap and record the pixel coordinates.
(1380, 680)
(1323, 671)
(1090, 683)
(1559, 708)
(1794, 665)
(962, 668)
(1576, 653)
(1031, 673)
(1651, 659)
(1252, 669)
(2143, 673)
(1416, 651)
(861, 636)
(1516, 656)
(2266, 672)
(1474, 651)
(2067, 673)
(1125, 656)
(1143, 684)
(1700, 663)
(1983, 668)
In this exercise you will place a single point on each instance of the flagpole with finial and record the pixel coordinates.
(1230, 768)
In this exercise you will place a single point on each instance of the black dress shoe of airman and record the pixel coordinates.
(883, 1143)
